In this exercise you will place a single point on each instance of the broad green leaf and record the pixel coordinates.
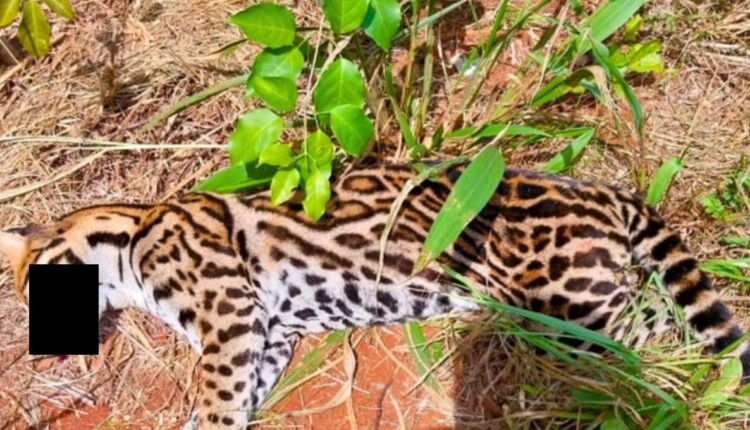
(382, 22)
(33, 32)
(266, 23)
(471, 193)
(601, 56)
(318, 191)
(62, 8)
(608, 18)
(283, 184)
(277, 154)
(8, 11)
(563, 160)
(254, 132)
(340, 84)
(237, 178)
(344, 15)
(278, 93)
(319, 149)
(720, 390)
(352, 128)
(662, 179)
(286, 62)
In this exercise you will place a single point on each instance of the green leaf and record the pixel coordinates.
(632, 28)
(743, 242)
(344, 15)
(255, 131)
(649, 63)
(318, 191)
(62, 8)
(311, 363)
(609, 17)
(613, 422)
(266, 23)
(662, 179)
(237, 178)
(33, 32)
(602, 23)
(8, 11)
(471, 193)
(340, 84)
(382, 22)
(559, 86)
(277, 154)
(278, 93)
(319, 149)
(491, 130)
(720, 390)
(563, 160)
(728, 268)
(283, 184)
(286, 62)
(420, 353)
(352, 128)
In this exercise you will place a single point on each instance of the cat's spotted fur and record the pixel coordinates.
(242, 281)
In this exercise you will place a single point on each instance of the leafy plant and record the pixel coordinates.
(33, 29)
(256, 146)
(732, 201)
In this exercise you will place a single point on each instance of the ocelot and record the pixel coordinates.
(242, 280)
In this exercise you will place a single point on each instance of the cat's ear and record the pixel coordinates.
(15, 246)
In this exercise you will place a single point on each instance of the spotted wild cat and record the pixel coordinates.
(242, 280)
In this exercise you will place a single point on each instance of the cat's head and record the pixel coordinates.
(23, 246)
(99, 235)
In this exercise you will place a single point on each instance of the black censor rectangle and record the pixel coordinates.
(64, 309)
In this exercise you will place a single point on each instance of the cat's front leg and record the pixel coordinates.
(232, 355)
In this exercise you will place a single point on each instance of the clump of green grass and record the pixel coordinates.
(732, 201)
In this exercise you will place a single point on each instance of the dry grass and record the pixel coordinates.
(121, 62)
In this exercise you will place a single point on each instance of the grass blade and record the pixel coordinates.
(601, 55)
(662, 179)
(194, 99)
(312, 361)
(492, 130)
(420, 352)
(728, 268)
(564, 159)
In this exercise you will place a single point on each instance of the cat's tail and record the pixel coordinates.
(658, 248)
